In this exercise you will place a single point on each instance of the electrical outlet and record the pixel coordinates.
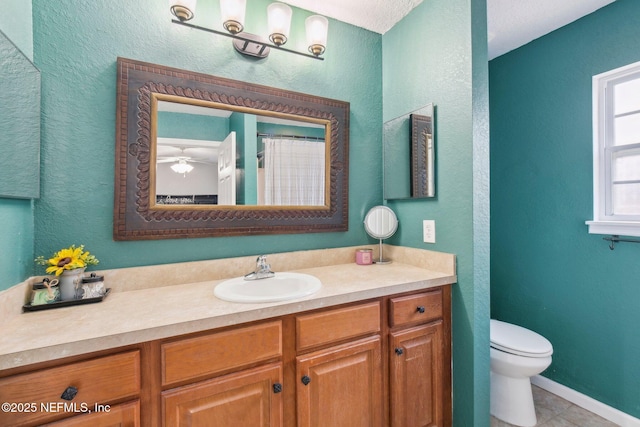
(429, 230)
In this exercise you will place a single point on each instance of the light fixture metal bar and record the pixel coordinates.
(240, 37)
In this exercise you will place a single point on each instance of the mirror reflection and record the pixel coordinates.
(213, 156)
(234, 168)
(409, 155)
(19, 123)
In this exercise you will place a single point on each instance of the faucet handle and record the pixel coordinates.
(262, 271)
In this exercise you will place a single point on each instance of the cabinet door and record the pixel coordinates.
(246, 398)
(343, 386)
(416, 375)
(125, 415)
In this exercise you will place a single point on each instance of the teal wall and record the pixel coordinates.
(434, 46)
(77, 56)
(16, 243)
(16, 216)
(192, 126)
(547, 272)
(16, 23)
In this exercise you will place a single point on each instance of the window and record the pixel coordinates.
(616, 152)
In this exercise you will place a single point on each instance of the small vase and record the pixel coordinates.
(70, 280)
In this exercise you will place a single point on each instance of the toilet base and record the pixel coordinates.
(512, 400)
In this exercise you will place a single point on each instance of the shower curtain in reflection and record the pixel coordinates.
(294, 172)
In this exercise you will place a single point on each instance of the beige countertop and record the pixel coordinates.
(133, 314)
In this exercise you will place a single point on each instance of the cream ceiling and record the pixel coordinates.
(511, 23)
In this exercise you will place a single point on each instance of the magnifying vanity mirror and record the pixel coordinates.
(199, 155)
(409, 155)
(381, 223)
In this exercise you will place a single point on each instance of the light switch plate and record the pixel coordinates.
(429, 230)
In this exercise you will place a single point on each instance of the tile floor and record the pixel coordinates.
(553, 411)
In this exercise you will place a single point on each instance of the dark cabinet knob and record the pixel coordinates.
(69, 393)
(277, 388)
(420, 309)
(399, 351)
(306, 380)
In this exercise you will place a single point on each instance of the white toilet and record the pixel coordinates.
(516, 355)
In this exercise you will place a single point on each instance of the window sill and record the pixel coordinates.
(616, 228)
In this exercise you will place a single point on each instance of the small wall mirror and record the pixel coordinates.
(409, 155)
(380, 223)
(19, 123)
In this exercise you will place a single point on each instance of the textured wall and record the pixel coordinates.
(16, 23)
(77, 56)
(16, 216)
(16, 241)
(434, 47)
(19, 123)
(547, 272)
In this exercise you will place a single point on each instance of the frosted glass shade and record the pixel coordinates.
(181, 167)
(182, 9)
(233, 12)
(279, 15)
(317, 28)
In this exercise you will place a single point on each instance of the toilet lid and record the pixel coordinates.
(518, 340)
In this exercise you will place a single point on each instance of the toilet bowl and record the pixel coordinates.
(516, 355)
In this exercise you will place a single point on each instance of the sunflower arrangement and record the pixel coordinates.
(68, 259)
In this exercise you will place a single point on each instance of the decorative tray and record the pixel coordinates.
(68, 303)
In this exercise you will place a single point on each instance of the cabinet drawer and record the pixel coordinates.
(335, 325)
(218, 352)
(417, 308)
(98, 381)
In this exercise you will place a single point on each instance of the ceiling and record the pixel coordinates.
(511, 23)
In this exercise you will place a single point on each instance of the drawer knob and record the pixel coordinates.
(306, 380)
(277, 388)
(69, 393)
(420, 309)
(399, 351)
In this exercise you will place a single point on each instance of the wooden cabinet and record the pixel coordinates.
(418, 377)
(248, 398)
(125, 415)
(374, 363)
(220, 352)
(340, 384)
(245, 396)
(46, 395)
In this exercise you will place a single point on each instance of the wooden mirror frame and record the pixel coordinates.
(135, 218)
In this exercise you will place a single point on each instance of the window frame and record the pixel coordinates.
(605, 222)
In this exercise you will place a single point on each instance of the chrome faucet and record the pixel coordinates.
(263, 270)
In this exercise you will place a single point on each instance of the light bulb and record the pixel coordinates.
(233, 12)
(317, 28)
(279, 16)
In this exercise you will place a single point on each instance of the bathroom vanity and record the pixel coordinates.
(371, 348)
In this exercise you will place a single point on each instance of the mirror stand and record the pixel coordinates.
(381, 223)
(381, 259)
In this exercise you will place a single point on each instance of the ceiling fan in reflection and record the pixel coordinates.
(181, 163)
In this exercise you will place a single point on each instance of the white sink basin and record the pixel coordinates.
(282, 287)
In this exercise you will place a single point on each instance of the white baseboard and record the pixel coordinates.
(586, 402)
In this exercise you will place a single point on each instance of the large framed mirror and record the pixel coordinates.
(201, 156)
(409, 151)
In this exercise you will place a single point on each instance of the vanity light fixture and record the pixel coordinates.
(181, 167)
(279, 23)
